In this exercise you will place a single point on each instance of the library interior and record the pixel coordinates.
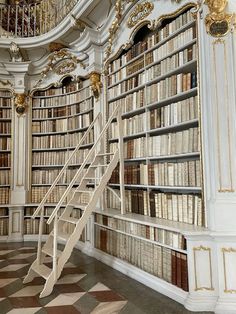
(117, 156)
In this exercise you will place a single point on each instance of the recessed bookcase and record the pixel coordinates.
(60, 117)
(155, 84)
(5, 146)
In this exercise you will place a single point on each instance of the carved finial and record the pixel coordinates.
(20, 103)
(96, 85)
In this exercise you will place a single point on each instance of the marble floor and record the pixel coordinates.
(86, 286)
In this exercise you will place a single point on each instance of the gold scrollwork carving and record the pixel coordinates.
(206, 249)
(20, 103)
(227, 250)
(96, 84)
(141, 11)
(218, 22)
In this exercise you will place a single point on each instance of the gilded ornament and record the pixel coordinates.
(65, 67)
(141, 11)
(54, 46)
(20, 103)
(218, 23)
(96, 85)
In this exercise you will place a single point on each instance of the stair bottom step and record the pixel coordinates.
(42, 270)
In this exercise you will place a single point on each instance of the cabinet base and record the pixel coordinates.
(225, 307)
(200, 303)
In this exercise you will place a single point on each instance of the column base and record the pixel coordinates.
(225, 307)
(198, 303)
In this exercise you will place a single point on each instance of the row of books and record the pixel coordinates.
(151, 41)
(129, 103)
(31, 226)
(38, 193)
(136, 148)
(174, 44)
(182, 142)
(130, 126)
(127, 85)
(61, 141)
(5, 102)
(166, 65)
(4, 223)
(5, 143)
(4, 195)
(48, 176)
(73, 86)
(4, 211)
(58, 157)
(64, 100)
(5, 128)
(170, 238)
(179, 207)
(170, 86)
(63, 111)
(185, 174)
(154, 259)
(5, 113)
(4, 177)
(174, 62)
(5, 160)
(174, 113)
(62, 125)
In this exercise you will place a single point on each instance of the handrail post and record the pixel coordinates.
(55, 232)
(121, 157)
(41, 223)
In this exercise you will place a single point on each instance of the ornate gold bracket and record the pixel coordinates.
(20, 103)
(96, 84)
(218, 22)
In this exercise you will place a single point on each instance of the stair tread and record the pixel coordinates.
(49, 251)
(70, 219)
(42, 270)
(62, 235)
(79, 205)
(84, 191)
(95, 166)
(105, 154)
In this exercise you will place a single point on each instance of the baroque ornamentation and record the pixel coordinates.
(20, 103)
(15, 53)
(54, 46)
(141, 11)
(218, 22)
(61, 62)
(6, 83)
(96, 85)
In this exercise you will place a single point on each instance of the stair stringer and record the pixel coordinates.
(74, 238)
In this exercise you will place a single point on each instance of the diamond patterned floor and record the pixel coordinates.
(67, 297)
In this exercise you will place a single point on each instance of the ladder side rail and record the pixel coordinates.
(54, 260)
(67, 191)
(121, 158)
(65, 167)
(41, 223)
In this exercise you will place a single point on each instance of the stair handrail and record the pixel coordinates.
(42, 203)
(79, 171)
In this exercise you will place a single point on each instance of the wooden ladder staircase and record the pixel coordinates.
(95, 171)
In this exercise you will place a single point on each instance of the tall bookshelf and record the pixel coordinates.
(5, 145)
(155, 84)
(60, 117)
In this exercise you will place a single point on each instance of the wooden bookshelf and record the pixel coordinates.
(5, 145)
(60, 117)
(155, 84)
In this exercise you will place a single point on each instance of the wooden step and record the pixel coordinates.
(84, 191)
(71, 220)
(105, 154)
(49, 251)
(43, 270)
(95, 166)
(62, 236)
(77, 205)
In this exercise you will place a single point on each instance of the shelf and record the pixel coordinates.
(63, 117)
(142, 238)
(61, 132)
(163, 157)
(174, 127)
(160, 187)
(5, 168)
(180, 30)
(5, 119)
(60, 148)
(56, 166)
(4, 151)
(169, 225)
(64, 105)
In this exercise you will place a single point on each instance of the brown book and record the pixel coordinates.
(173, 268)
(184, 272)
(178, 270)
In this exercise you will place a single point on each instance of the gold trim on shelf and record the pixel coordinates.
(206, 249)
(96, 85)
(140, 11)
(227, 250)
(218, 22)
(20, 103)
